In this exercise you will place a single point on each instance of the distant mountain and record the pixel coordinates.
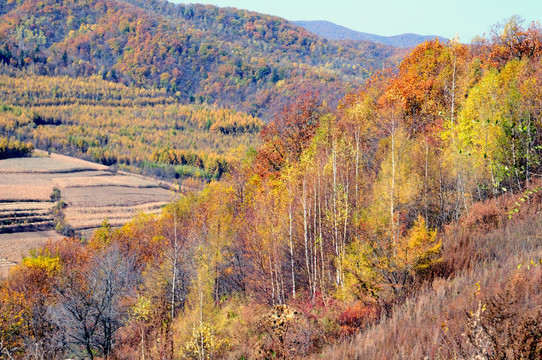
(331, 31)
(198, 53)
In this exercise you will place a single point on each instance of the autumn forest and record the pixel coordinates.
(355, 201)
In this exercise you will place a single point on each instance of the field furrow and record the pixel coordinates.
(25, 206)
(85, 218)
(30, 227)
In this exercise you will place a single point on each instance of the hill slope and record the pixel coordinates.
(494, 288)
(198, 53)
(331, 31)
(139, 130)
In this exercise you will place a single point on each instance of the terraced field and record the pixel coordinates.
(90, 192)
(89, 217)
(21, 216)
(89, 205)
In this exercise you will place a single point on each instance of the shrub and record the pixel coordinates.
(356, 317)
(64, 228)
(504, 327)
(204, 344)
(55, 195)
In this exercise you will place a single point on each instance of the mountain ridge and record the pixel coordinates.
(332, 31)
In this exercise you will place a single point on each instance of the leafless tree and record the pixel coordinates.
(91, 309)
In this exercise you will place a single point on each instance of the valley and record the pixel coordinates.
(191, 182)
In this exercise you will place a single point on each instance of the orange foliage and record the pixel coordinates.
(514, 42)
(289, 134)
(357, 317)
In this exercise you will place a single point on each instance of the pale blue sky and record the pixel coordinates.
(465, 18)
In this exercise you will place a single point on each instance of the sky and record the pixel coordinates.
(464, 18)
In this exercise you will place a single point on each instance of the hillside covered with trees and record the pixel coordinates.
(404, 223)
(198, 54)
(145, 131)
(166, 90)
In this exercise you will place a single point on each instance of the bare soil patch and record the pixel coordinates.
(52, 164)
(113, 196)
(14, 246)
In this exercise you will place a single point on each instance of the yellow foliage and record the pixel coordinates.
(42, 260)
(373, 267)
(397, 180)
(101, 236)
(142, 309)
(361, 277)
(420, 248)
(204, 344)
(14, 314)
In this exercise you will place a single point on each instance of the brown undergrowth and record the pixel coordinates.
(484, 299)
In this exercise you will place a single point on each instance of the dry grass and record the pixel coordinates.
(430, 325)
(4, 270)
(17, 206)
(51, 164)
(24, 179)
(75, 161)
(14, 246)
(146, 208)
(31, 179)
(36, 192)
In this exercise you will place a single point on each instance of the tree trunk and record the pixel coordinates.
(306, 232)
(290, 238)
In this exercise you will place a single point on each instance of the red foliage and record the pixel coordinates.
(356, 317)
(483, 217)
(514, 42)
(289, 133)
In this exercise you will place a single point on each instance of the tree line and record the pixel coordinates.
(136, 129)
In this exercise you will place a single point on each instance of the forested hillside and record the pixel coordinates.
(167, 90)
(403, 224)
(140, 130)
(228, 57)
